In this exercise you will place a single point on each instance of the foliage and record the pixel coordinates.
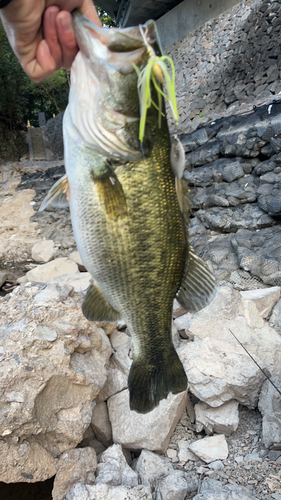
(20, 98)
(50, 95)
(106, 20)
(13, 85)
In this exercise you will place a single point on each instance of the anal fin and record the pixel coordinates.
(57, 196)
(96, 307)
(197, 285)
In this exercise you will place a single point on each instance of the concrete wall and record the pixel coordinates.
(187, 16)
(229, 65)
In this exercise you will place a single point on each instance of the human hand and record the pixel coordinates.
(41, 33)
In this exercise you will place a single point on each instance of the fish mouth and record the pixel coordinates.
(120, 48)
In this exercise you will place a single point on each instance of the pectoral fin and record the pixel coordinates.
(177, 157)
(180, 194)
(111, 194)
(96, 307)
(197, 285)
(57, 196)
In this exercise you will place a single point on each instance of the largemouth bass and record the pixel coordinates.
(130, 231)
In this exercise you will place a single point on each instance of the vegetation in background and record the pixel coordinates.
(20, 98)
(106, 20)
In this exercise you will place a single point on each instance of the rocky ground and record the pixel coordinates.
(247, 463)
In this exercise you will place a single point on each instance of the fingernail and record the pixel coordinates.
(65, 22)
(53, 11)
(45, 48)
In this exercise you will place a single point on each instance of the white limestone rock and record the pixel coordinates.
(53, 293)
(222, 420)
(116, 381)
(276, 314)
(176, 486)
(77, 258)
(152, 430)
(79, 281)
(152, 467)
(107, 492)
(3, 277)
(270, 408)
(182, 322)
(52, 269)
(230, 311)
(17, 233)
(74, 465)
(264, 299)
(101, 424)
(43, 251)
(122, 345)
(26, 461)
(55, 365)
(184, 454)
(219, 371)
(114, 470)
(211, 448)
(119, 365)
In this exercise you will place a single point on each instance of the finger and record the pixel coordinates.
(85, 6)
(50, 34)
(88, 9)
(66, 38)
(42, 65)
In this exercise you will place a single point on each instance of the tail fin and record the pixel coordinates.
(149, 383)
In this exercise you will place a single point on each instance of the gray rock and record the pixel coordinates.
(276, 314)
(214, 490)
(74, 466)
(101, 424)
(152, 430)
(270, 408)
(54, 135)
(216, 465)
(114, 470)
(222, 420)
(211, 448)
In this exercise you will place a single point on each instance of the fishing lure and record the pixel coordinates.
(156, 71)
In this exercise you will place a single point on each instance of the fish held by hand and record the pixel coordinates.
(130, 227)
